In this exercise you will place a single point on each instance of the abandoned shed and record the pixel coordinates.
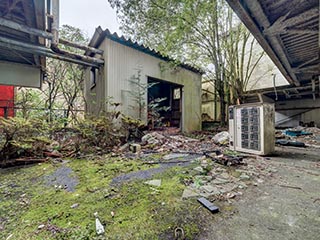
(136, 77)
(291, 38)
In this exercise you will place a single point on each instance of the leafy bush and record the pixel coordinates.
(19, 136)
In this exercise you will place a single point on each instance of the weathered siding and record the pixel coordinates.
(122, 62)
(95, 95)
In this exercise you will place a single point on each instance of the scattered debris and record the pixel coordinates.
(155, 182)
(41, 226)
(99, 227)
(179, 233)
(309, 136)
(135, 148)
(290, 143)
(221, 138)
(224, 159)
(294, 187)
(189, 193)
(174, 156)
(75, 205)
(209, 205)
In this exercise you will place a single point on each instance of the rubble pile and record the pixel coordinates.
(299, 137)
(171, 141)
(212, 180)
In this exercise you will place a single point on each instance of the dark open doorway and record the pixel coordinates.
(164, 103)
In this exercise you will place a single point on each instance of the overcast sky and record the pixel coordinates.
(88, 14)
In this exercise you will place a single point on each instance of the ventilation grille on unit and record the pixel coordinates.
(250, 128)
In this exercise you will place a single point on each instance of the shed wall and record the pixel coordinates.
(122, 63)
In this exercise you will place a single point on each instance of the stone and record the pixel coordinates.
(199, 169)
(242, 186)
(244, 177)
(152, 138)
(227, 187)
(154, 182)
(224, 175)
(135, 147)
(221, 138)
(212, 190)
(124, 147)
(219, 181)
(174, 156)
(41, 226)
(75, 205)
(189, 193)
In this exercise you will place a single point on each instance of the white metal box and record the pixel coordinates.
(251, 128)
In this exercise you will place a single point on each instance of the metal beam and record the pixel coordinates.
(24, 28)
(282, 24)
(43, 34)
(276, 54)
(315, 67)
(46, 54)
(307, 62)
(80, 46)
(55, 23)
(40, 50)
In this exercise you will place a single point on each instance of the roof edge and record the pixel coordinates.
(99, 35)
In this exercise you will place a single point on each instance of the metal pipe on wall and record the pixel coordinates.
(24, 28)
(37, 49)
(46, 35)
(55, 23)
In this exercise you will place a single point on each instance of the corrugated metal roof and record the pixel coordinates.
(100, 35)
(288, 30)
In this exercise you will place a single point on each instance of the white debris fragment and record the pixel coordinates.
(99, 227)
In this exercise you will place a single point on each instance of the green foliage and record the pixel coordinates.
(154, 112)
(140, 211)
(204, 33)
(22, 137)
(61, 97)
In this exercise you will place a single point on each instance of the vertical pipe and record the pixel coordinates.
(274, 86)
(55, 22)
(313, 84)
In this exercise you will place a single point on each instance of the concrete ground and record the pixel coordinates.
(285, 207)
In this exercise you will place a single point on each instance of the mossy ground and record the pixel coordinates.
(140, 211)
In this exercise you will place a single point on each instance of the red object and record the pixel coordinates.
(6, 101)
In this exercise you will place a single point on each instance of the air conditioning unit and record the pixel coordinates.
(251, 128)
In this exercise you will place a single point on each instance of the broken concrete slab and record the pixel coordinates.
(154, 182)
(244, 177)
(199, 169)
(219, 181)
(174, 156)
(212, 190)
(189, 193)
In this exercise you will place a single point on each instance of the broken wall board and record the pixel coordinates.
(19, 75)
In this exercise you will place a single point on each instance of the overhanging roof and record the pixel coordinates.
(100, 35)
(30, 13)
(288, 30)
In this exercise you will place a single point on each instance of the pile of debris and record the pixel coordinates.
(170, 140)
(299, 137)
(214, 181)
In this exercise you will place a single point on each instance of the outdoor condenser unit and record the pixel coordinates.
(251, 128)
